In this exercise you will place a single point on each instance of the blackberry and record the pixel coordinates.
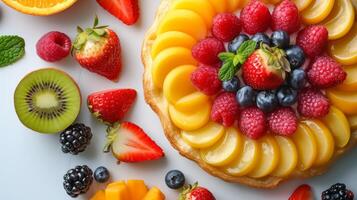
(78, 180)
(337, 191)
(75, 138)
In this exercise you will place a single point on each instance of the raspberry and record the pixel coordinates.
(206, 80)
(282, 121)
(207, 50)
(226, 27)
(53, 46)
(325, 72)
(286, 17)
(225, 109)
(312, 103)
(313, 40)
(255, 17)
(252, 122)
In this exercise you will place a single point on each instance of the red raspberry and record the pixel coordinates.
(225, 109)
(325, 72)
(53, 46)
(255, 17)
(252, 122)
(313, 40)
(283, 121)
(206, 80)
(312, 103)
(286, 17)
(207, 50)
(226, 26)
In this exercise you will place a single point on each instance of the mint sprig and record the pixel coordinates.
(233, 61)
(12, 48)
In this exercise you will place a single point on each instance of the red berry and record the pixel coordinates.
(226, 26)
(313, 40)
(207, 50)
(255, 17)
(53, 46)
(312, 103)
(325, 72)
(286, 17)
(283, 121)
(201, 193)
(225, 109)
(206, 80)
(303, 192)
(252, 122)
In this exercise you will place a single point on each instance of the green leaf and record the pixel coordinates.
(79, 29)
(236, 60)
(246, 49)
(99, 32)
(226, 56)
(227, 71)
(12, 48)
(96, 21)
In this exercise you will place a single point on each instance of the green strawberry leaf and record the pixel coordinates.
(246, 49)
(227, 71)
(12, 48)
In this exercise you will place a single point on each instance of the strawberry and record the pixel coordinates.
(303, 192)
(125, 10)
(110, 106)
(195, 192)
(98, 50)
(129, 143)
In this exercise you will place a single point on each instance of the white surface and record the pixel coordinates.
(32, 165)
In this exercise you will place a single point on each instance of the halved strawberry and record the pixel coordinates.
(303, 192)
(125, 10)
(129, 143)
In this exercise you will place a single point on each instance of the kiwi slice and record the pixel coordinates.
(47, 100)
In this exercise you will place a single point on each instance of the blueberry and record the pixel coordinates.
(101, 175)
(267, 101)
(175, 179)
(261, 37)
(280, 39)
(296, 56)
(246, 96)
(231, 85)
(287, 96)
(234, 45)
(297, 79)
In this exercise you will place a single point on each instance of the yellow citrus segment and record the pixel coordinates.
(191, 101)
(233, 5)
(353, 121)
(219, 5)
(40, 7)
(99, 195)
(345, 101)
(225, 150)
(185, 21)
(302, 4)
(288, 157)
(338, 124)
(324, 139)
(205, 136)
(317, 11)
(350, 84)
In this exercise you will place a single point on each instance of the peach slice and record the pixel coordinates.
(233, 5)
(272, 1)
(99, 195)
(117, 191)
(219, 5)
(345, 101)
(137, 189)
(288, 157)
(317, 11)
(350, 84)
(205, 136)
(191, 101)
(243, 3)
(353, 121)
(302, 4)
(154, 194)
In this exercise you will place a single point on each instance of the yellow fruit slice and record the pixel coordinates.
(302, 4)
(350, 84)
(243, 3)
(224, 151)
(344, 50)
(269, 159)
(154, 194)
(272, 1)
(177, 20)
(219, 5)
(353, 121)
(324, 139)
(178, 83)
(248, 159)
(191, 101)
(340, 20)
(137, 189)
(354, 2)
(190, 121)
(117, 191)
(345, 101)
(169, 59)
(317, 11)
(233, 5)
(40, 7)
(288, 157)
(205, 136)
(338, 124)
(99, 195)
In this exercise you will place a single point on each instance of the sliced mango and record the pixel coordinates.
(205, 136)
(219, 5)
(317, 11)
(137, 189)
(302, 4)
(353, 121)
(117, 191)
(154, 194)
(288, 157)
(345, 101)
(350, 84)
(191, 101)
(99, 195)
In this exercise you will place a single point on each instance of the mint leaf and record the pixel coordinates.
(246, 49)
(227, 71)
(12, 48)
(226, 56)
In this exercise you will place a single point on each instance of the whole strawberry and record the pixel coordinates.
(252, 122)
(195, 192)
(312, 103)
(98, 50)
(110, 106)
(313, 40)
(255, 17)
(283, 121)
(225, 109)
(286, 17)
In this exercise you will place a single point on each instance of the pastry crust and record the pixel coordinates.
(155, 98)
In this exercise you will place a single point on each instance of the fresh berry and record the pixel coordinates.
(261, 38)
(252, 122)
(234, 45)
(297, 79)
(125, 10)
(53, 46)
(75, 138)
(101, 175)
(102, 55)
(231, 85)
(313, 40)
(78, 180)
(225, 109)
(226, 26)
(283, 121)
(280, 39)
(336, 192)
(286, 17)
(325, 72)
(175, 179)
(206, 80)
(287, 96)
(255, 17)
(111, 106)
(312, 103)
(267, 101)
(195, 192)
(207, 50)
(246, 96)
(296, 56)
(303, 192)
(129, 143)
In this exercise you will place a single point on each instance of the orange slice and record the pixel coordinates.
(317, 11)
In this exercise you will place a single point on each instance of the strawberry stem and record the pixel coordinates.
(112, 133)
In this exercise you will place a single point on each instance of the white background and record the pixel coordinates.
(32, 165)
